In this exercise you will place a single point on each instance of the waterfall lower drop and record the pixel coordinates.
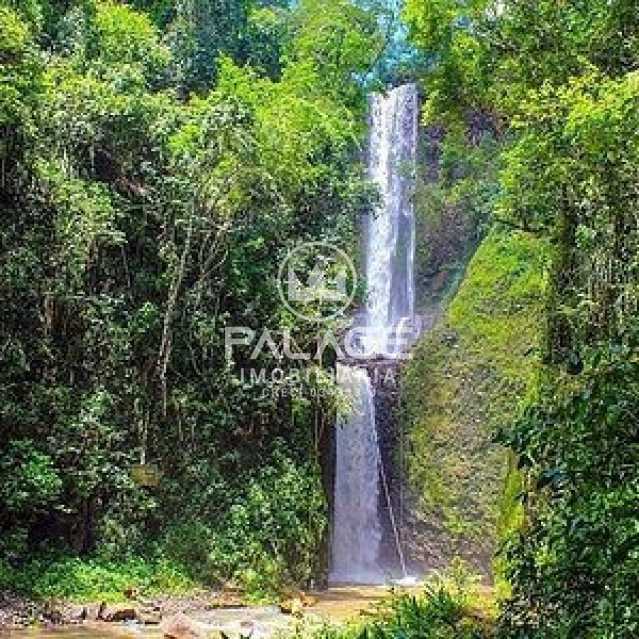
(389, 239)
(358, 532)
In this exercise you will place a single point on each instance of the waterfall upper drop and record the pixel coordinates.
(390, 233)
(389, 245)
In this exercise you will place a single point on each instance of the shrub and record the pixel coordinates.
(439, 613)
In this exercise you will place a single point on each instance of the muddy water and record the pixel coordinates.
(343, 603)
(337, 604)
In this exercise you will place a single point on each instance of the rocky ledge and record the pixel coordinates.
(204, 615)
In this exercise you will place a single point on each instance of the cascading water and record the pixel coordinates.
(356, 521)
(389, 251)
(390, 233)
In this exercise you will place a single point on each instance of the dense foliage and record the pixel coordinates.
(157, 162)
(559, 81)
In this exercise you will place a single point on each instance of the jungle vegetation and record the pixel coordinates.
(159, 158)
(559, 84)
(158, 161)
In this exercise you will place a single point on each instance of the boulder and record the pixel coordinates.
(296, 602)
(85, 612)
(131, 592)
(119, 613)
(54, 616)
(228, 600)
(182, 627)
(150, 617)
(292, 606)
(307, 600)
(52, 613)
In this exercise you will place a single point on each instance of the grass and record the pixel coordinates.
(83, 580)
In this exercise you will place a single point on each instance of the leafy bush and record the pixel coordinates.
(437, 614)
(14, 34)
(266, 540)
(128, 37)
(574, 567)
(78, 579)
(28, 478)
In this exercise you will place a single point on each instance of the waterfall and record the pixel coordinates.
(358, 532)
(390, 233)
(389, 241)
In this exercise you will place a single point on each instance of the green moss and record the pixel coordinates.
(454, 199)
(510, 517)
(468, 377)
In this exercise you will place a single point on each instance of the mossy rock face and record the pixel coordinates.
(467, 377)
(445, 230)
(457, 183)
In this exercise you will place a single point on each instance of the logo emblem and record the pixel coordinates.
(317, 281)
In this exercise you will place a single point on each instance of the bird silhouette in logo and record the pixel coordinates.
(320, 286)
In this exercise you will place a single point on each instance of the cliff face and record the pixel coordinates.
(469, 373)
(479, 296)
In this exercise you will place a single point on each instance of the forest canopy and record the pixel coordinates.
(160, 158)
(559, 83)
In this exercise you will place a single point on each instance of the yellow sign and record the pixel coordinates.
(146, 475)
